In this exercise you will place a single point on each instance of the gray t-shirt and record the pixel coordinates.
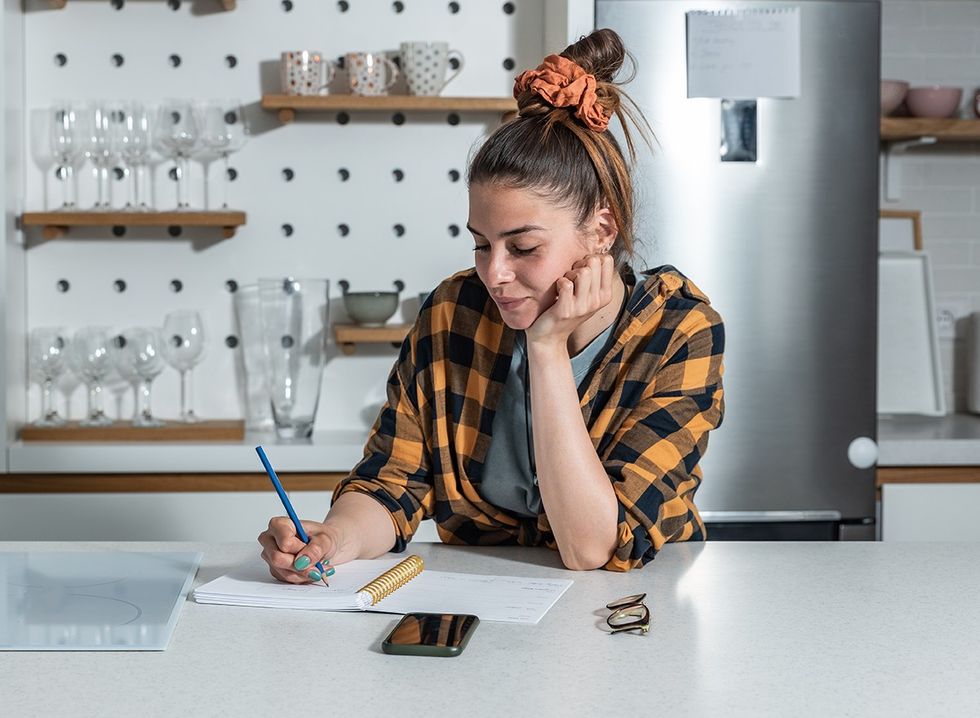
(507, 480)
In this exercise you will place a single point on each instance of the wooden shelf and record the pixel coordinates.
(210, 430)
(910, 128)
(55, 224)
(225, 4)
(289, 105)
(350, 335)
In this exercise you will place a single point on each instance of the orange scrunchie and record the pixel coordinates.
(563, 83)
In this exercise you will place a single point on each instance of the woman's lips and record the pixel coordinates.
(509, 303)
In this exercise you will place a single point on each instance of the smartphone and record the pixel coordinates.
(430, 634)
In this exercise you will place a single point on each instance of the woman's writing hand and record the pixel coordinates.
(293, 561)
(585, 289)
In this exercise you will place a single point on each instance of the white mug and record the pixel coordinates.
(425, 65)
(305, 72)
(370, 73)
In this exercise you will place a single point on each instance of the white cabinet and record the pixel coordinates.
(930, 512)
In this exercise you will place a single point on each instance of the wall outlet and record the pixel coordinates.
(946, 315)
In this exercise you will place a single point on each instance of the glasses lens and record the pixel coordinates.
(630, 618)
(626, 601)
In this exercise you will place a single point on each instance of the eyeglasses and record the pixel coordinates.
(628, 614)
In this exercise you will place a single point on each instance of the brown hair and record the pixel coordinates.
(547, 150)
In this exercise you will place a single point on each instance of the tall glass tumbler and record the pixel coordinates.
(258, 410)
(295, 316)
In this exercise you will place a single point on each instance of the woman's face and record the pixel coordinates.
(523, 244)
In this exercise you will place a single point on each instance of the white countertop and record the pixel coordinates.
(951, 440)
(739, 629)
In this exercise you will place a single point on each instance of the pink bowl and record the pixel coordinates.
(934, 101)
(892, 94)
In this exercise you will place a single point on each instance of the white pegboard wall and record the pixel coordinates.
(341, 174)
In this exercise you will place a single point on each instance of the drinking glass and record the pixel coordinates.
(136, 148)
(46, 356)
(224, 130)
(137, 355)
(294, 316)
(67, 148)
(88, 357)
(104, 126)
(183, 348)
(177, 133)
(258, 410)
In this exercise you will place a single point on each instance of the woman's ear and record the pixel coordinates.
(606, 229)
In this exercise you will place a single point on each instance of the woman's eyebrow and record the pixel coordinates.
(511, 232)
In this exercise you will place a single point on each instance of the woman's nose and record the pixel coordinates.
(498, 269)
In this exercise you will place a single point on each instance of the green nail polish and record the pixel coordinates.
(331, 571)
(315, 575)
(301, 563)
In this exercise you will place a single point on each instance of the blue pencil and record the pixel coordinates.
(289, 507)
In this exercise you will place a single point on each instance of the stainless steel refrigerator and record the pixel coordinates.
(782, 236)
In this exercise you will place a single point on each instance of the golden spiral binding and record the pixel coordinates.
(393, 579)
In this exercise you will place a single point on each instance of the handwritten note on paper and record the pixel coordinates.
(743, 54)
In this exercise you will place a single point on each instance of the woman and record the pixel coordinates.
(545, 396)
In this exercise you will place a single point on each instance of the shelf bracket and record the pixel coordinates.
(893, 169)
(53, 231)
(287, 115)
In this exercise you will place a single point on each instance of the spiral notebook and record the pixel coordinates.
(391, 585)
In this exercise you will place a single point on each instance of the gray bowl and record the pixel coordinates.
(371, 309)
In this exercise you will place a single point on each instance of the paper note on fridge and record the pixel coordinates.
(743, 54)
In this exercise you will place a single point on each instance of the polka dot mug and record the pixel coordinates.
(425, 65)
(370, 73)
(305, 72)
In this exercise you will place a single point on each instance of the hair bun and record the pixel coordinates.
(600, 53)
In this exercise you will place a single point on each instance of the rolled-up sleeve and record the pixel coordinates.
(653, 460)
(395, 468)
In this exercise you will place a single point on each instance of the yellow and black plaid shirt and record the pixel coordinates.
(648, 403)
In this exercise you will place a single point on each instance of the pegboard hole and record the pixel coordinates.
(231, 285)
(398, 118)
(119, 285)
(119, 341)
(343, 229)
(454, 175)
(175, 60)
(117, 4)
(173, 5)
(398, 175)
(231, 61)
(117, 60)
(342, 118)
(343, 6)
(398, 6)
(453, 119)
(61, 59)
(61, 172)
(399, 230)
(231, 341)
(344, 174)
(288, 174)
(63, 285)
(119, 173)
(508, 8)
(509, 63)
(175, 230)
(454, 7)
(287, 5)
(231, 117)
(176, 286)
(287, 230)
(454, 63)
(118, 231)
(454, 230)
(232, 174)
(172, 174)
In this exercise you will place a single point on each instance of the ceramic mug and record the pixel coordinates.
(305, 72)
(425, 65)
(370, 73)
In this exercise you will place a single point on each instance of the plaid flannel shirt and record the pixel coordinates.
(648, 403)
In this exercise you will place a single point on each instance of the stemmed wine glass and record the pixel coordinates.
(177, 134)
(46, 356)
(136, 148)
(183, 348)
(67, 148)
(103, 132)
(137, 356)
(88, 357)
(224, 131)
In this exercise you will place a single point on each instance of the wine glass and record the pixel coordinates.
(104, 126)
(67, 148)
(137, 355)
(135, 148)
(46, 356)
(177, 135)
(88, 357)
(183, 348)
(224, 130)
